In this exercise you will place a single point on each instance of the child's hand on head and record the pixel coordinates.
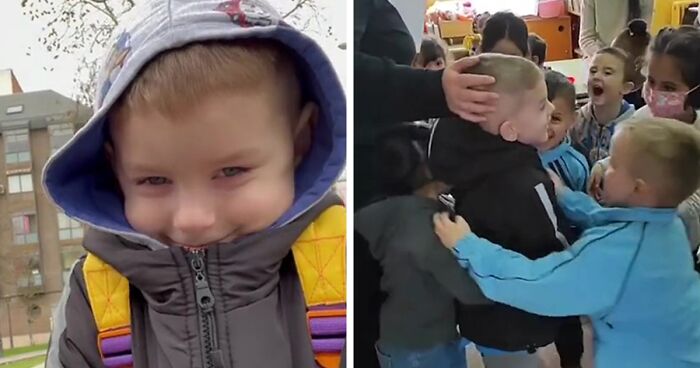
(450, 232)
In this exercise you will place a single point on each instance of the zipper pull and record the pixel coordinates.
(203, 293)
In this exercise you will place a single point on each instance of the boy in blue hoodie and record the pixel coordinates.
(556, 153)
(630, 271)
(218, 133)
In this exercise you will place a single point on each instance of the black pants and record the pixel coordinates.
(569, 343)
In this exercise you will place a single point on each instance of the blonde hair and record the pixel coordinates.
(514, 74)
(667, 153)
(180, 78)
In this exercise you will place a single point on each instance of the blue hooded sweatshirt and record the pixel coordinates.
(255, 291)
(630, 271)
(568, 163)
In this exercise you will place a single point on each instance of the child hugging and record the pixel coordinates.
(645, 306)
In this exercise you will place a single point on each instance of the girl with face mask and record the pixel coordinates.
(672, 89)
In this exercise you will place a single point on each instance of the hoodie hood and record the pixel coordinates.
(462, 154)
(79, 179)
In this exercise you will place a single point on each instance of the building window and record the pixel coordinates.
(70, 254)
(69, 228)
(20, 183)
(17, 148)
(17, 109)
(28, 274)
(60, 135)
(24, 228)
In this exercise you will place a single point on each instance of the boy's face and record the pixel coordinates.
(437, 64)
(606, 84)
(528, 122)
(620, 184)
(563, 117)
(222, 169)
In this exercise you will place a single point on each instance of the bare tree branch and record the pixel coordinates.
(296, 7)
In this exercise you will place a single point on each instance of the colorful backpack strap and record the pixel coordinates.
(319, 254)
(108, 294)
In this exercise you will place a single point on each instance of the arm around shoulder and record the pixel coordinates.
(565, 283)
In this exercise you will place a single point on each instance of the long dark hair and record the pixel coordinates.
(635, 10)
(505, 25)
(683, 45)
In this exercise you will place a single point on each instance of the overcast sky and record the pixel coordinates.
(18, 33)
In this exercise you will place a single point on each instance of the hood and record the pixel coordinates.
(461, 154)
(79, 179)
(626, 111)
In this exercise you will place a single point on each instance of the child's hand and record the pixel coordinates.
(450, 232)
(558, 183)
(595, 182)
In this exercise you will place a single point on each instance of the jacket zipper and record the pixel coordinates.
(205, 306)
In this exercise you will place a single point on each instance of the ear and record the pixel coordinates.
(628, 87)
(508, 132)
(536, 59)
(641, 186)
(303, 131)
(109, 151)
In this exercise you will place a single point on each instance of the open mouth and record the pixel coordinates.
(597, 90)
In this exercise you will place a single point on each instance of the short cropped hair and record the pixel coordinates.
(184, 76)
(666, 153)
(559, 86)
(513, 74)
(629, 70)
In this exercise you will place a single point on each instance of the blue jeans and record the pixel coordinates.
(450, 355)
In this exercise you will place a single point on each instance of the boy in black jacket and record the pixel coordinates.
(500, 185)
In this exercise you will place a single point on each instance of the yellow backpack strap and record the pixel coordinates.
(319, 254)
(108, 294)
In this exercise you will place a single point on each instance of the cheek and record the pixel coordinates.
(259, 204)
(146, 215)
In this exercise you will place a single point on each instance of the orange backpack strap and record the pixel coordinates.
(319, 254)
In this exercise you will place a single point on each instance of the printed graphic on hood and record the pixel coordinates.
(245, 13)
(115, 63)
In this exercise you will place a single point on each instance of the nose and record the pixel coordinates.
(193, 217)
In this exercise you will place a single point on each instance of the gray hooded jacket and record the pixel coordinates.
(258, 317)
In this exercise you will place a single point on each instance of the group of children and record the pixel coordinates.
(545, 238)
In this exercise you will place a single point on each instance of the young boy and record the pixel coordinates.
(218, 132)
(631, 271)
(498, 179)
(611, 77)
(556, 153)
(418, 322)
(538, 49)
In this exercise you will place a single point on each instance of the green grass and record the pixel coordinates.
(25, 349)
(26, 363)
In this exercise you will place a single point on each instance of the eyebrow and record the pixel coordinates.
(243, 156)
(247, 154)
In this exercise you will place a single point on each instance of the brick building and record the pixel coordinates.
(38, 244)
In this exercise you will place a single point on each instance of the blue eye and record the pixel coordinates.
(232, 171)
(153, 180)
